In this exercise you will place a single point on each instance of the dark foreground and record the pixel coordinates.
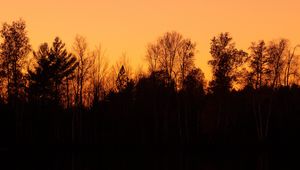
(90, 159)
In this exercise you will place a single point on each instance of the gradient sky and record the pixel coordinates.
(129, 25)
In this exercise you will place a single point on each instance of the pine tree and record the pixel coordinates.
(122, 80)
(54, 67)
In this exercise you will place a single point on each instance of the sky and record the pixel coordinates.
(127, 26)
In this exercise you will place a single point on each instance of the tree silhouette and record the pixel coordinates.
(39, 78)
(186, 60)
(85, 63)
(99, 75)
(14, 48)
(194, 82)
(122, 79)
(258, 61)
(225, 63)
(168, 105)
(172, 54)
(124, 61)
(292, 64)
(54, 66)
(276, 54)
(152, 56)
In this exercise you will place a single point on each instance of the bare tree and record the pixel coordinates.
(170, 43)
(186, 59)
(85, 63)
(99, 74)
(276, 53)
(152, 56)
(173, 55)
(291, 67)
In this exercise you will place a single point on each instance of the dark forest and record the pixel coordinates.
(70, 99)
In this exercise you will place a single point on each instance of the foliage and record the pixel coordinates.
(14, 48)
(226, 62)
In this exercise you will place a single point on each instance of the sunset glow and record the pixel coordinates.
(127, 26)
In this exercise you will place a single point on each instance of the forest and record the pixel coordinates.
(52, 95)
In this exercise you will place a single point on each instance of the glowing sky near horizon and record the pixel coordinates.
(127, 26)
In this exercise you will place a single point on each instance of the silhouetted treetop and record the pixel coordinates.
(276, 56)
(258, 61)
(226, 62)
(14, 48)
(173, 54)
(85, 63)
(122, 79)
(54, 65)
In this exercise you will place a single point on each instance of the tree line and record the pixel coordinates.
(58, 96)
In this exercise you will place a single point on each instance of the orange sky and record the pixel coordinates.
(129, 25)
